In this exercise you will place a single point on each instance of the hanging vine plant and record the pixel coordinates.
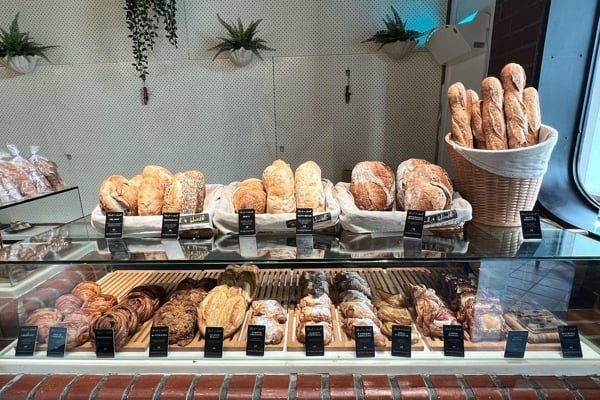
(143, 19)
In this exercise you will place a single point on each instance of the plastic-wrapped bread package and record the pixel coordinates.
(9, 192)
(47, 168)
(40, 182)
(15, 177)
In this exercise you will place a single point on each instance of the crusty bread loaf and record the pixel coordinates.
(492, 114)
(200, 184)
(136, 182)
(117, 195)
(513, 82)
(402, 173)
(534, 115)
(461, 125)
(373, 186)
(278, 179)
(250, 194)
(152, 192)
(181, 195)
(474, 106)
(308, 187)
(428, 188)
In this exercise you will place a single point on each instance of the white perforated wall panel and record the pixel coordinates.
(214, 116)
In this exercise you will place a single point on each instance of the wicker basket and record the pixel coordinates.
(497, 198)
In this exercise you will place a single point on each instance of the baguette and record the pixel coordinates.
(534, 115)
(477, 125)
(461, 125)
(513, 82)
(492, 114)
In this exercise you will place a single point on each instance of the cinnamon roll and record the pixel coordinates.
(82, 316)
(142, 304)
(77, 333)
(121, 319)
(155, 292)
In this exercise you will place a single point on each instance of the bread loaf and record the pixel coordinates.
(200, 184)
(461, 125)
(117, 195)
(373, 186)
(309, 188)
(250, 194)
(151, 195)
(278, 179)
(423, 186)
(403, 172)
(513, 82)
(492, 114)
(477, 125)
(534, 115)
(181, 195)
(136, 182)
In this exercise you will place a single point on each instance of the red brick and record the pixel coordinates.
(448, 387)
(514, 382)
(241, 387)
(144, 387)
(275, 387)
(582, 382)
(308, 387)
(487, 394)
(548, 382)
(113, 387)
(4, 379)
(52, 387)
(176, 387)
(83, 386)
(20, 389)
(412, 387)
(377, 387)
(590, 394)
(522, 394)
(483, 387)
(341, 387)
(209, 387)
(558, 394)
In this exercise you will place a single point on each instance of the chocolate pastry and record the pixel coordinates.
(271, 309)
(86, 290)
(180, 318)
(206, 284)
(348, 280)
(122, 319)
(77, 333)
(101, 303)
(313, 283)
(273, 329)
(327, 331)
(311, 300)
(349, 323)
(67, 303)
(142, 304)
(194, 296)
(155, 292)
(43, 318)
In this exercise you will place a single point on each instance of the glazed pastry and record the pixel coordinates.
(67, 303)
(310, 300)
(43, 318)
(373, 186)
(225, 307)
(316, 313)
(271, 309)
(273, 329)
(349, 323)
(327, 331)
(351, 281)
(432, 312)
(180, 318)
(77, 333)
(86, 290)
(101, 303)
(194, 296)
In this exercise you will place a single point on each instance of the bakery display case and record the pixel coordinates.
(487, 280)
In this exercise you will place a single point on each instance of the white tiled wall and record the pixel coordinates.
(214, 116)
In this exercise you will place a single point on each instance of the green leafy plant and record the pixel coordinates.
(240, 37)
(395, 31)
(16, 43)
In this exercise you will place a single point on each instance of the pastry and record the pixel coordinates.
(349, 323)
(250, 194)
(357, 309)
(181, 195)
(100, 303)
(116, 195)
(273, 329)
(278, 180)
(313, 283)
(397, 315)
(327, 331)
(151, 195)
(534, 115)
(310, 300)
(315, 313)
(244, 276)
(199, 183)
(155, 292)
(225, 307)
(194, 296)
(353, 295)
(492, 114)
(389, 299)
(513, 83)
(373, 186)
(86, 290)
(309, 188)
(181, 319)
(269, 308)
(122, 319)
(78, 332)
(432, 312)
(142, 304)
(67, 303)
(43, 318)
(205, 284)
(351, 281)
(461, 123)
(81, 316)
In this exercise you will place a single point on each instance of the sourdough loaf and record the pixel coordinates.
(278, 179)
(373, 186)
(181, 195)
(250, 194)
(309, 188)
(117, 195)
(423, 186)
(151, 195)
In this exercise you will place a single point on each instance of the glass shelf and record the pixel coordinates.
(33, 198)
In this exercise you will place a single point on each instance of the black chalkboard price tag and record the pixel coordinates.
(364, 341)
(255, 346)
(304, 221)
(213, 342)
(159, 341)
(26, 341)
(105, 343)
(401, 341)
(315, 340)
(170, 226)
(530, 225)
(57, 342)
(516, 343)
(570, 344)
(247, 221)
(454, 341)
(113, 226)
(413, 226)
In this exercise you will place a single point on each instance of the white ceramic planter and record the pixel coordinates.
(241, 57)
(399, 49)
(22, 64)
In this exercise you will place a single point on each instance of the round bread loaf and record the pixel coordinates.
(151, 195)
(373, 186)
(136, 182)
(117, 195)
(428, 188)
(402, 173)
(250, 194)
(308, 187)
(181, 196)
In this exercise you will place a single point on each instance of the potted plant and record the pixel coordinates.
(241, 43)
(395, 40)
(18, 51)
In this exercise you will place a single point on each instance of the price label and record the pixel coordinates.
(364, 341)
(26, 341)
(304, 221)
(113, 226)
(516, 343)
(213, 342)
(57, 342)
(170, 226)
(413, 226)
(105, 343)
(255, 346)
(530, 225)
(247, 221)
(315, 340)
(570, 344)
(159, 341)
(401, 341)
(454, 341)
